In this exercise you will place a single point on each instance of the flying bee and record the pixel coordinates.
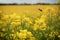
(40, 10)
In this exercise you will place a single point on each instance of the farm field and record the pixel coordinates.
(29, 22)
(32, 10)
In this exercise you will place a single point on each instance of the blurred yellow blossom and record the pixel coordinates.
(13, 31)
(2, 34)
(43, 18)
(0, 11)
(1, 22)
(51, 34)
(59, 36)
(43, 26)
(32, 38)
(14, 16)
(23, 31)
(35, 27)
(29, 34)
(5, 17)
(3, 29)
(15, 23)
(22, 34)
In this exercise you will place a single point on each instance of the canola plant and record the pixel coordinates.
(16, 27)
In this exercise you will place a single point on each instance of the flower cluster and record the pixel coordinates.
(16, 27)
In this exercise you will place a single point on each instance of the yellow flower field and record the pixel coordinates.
(30, 22)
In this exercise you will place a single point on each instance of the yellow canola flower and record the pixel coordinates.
(14, 16)
(13, 36)
(51, 34)
(13, 31)
(15, 23)
(17, 20)
(29, 34)
(37, 21)
(1, 34)
(35, 27)
(5, 17)
(18, 17)
(22, 34)
(43, 26)
(59, 36)
(23, 31)
(1, 22)
(32, 38)
(27, 19)
(3, 29)
(28, 24)
(23, 16)
(43, 18)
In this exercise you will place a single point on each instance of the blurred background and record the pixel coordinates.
(29, 1)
